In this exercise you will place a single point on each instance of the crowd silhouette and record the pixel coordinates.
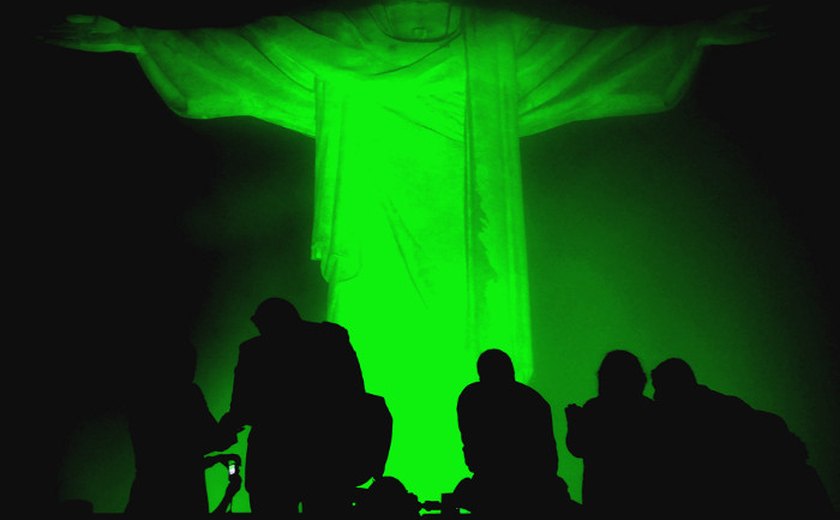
(317, 437)
(725, 457)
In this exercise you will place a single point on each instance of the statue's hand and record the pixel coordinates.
(738, 27)
(93, 34)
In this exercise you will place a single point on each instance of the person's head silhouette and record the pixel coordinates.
(673, 380)
(621, 375)
(275, 316)
(495, 367)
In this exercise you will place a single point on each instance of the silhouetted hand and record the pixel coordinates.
(223, 458)
(230, 424)
(234, 484)
(93, 34)
(738, 27)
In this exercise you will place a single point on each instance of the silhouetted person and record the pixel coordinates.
(300, 388)
(171, 431)
(726, 458)
(614, 435)
(509, 446)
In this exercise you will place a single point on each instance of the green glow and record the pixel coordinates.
(99, 464)
(419, 223)
(651, 252)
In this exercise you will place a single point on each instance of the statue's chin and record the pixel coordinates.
(418, 20)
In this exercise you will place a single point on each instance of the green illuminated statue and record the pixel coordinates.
(417, 109)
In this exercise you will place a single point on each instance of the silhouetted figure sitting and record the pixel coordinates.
(171, 431)
(614, 435)
(726, 458)
(508, 438)
(315, 434)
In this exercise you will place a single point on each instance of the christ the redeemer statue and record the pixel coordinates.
(417, 108)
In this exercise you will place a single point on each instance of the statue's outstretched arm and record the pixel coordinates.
(738, 27)
(209, 72)
(93, 34)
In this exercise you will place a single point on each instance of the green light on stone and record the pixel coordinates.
(419, 223)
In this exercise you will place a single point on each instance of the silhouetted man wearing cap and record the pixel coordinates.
(296, 385)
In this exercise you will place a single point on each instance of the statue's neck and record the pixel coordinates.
(417, 21)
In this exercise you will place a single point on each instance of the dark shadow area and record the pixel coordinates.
(719, 456)
(110, 239)
(172, 432)
(691, 452)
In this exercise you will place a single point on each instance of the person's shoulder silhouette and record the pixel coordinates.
(337, 362)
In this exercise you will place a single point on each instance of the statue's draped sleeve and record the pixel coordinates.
(525, 76)
(567, 74)
(285, 70)
(210, 73)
